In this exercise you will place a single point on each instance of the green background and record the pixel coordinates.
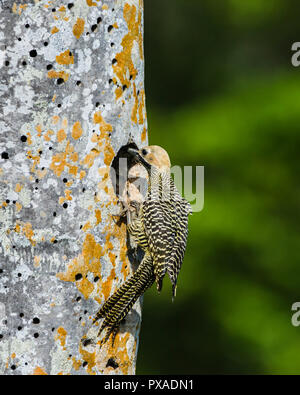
(222, 93)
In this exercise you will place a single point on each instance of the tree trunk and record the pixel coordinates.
(72, 94)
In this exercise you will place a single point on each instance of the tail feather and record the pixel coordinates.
(119, 304)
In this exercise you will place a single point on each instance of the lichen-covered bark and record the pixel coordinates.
(72, 92)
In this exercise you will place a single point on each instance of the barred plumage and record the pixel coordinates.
(160, 229)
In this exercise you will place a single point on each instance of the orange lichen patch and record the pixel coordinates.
(90, 158)
(61, 336)
(68, 194)
(76, 363)
(54, 30)
(28, 232)
(78, 28)
(13, 355)
(82, 174)
(74, 157)
(61, 135)
(89, 357)
(18, 206)
(107, 284)
(119, 350)
(62, 8)
(72, 169)
(98, 217)
(118, 92)
(58, 74)
(48, 134)
(15, 9)
(18, 187)
(87, 261)
(36, 260)
(135, 106)
(87, 226)
(65, 58)
(103, 140)
(29, 140)
(39, 372)
(38, 128)
(59, 161)
(144, 134)
(36, 160)
(124, 66)
(115, 25)
(77, 131)
(55, 119)
(105, 7)
(90, 3)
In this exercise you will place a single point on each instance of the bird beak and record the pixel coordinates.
(133, 151)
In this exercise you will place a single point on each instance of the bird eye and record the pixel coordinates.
(144, 152)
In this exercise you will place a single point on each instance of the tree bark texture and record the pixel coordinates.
(72, 94)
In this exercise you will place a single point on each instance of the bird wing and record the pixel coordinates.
(166, 228)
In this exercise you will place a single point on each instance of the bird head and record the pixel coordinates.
(152, 156)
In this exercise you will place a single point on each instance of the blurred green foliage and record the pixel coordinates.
(222, 93)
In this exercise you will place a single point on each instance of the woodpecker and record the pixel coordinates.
(160, 229)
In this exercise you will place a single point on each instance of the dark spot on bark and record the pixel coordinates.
(112, 363)
(13, 367)
(55, 241)
(124, 87)
(110, 27)
(36, 320)
(97, 104)
(78, 299)
(54, 214)
(65, 180)
(33, 53)
(24, 63)
(94, 27)
(60, 81)
(78, 276)
(19, 274)
(37, 181)
(4, 155)
(99, 19)
(19, 39)
(96, 279)
(110, 81)
(70, 5)
(112, 44)
(53, 9)
(84, 363)
(86, 342)
(27, 26)
(114, 61)
(6, 63)
(36, 335)
(50, 148)
(7, 201)
(49, 66)
(65, 205)
(59, 105)
(21, 315)
(46, 43)
(78, 83)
